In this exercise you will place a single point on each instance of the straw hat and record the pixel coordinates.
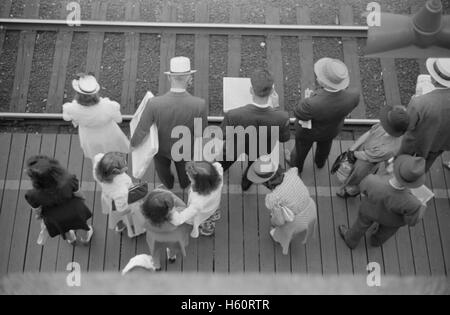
(439, 68)
(410, 171)
(180, 66)
(86, 84)
(332, 72)
(263, 170)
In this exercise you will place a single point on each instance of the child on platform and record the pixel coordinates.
(159, 208)
(96, 117)
(204, 198)
(110, 173)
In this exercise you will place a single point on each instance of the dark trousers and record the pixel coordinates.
(162, 165)
(302, 148)
(431, 158)
(363, 223)
(227, 164)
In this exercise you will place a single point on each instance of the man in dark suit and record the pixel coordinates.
(388, 203)
(254, 122)
(174, 109)
(429, 131)
(321, 116)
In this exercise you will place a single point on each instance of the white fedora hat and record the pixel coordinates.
(439, 69)
(180, 66)
(86, 84)
(333, 73)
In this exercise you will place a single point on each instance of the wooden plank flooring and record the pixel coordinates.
(242, 242)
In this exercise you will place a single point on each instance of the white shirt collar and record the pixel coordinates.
(262, 105)
(175, 90)
(331, 91)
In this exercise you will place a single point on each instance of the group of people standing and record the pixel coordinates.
(410, 139)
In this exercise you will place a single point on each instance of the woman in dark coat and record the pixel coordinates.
(56, 199)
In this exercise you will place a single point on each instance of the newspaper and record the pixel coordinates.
(423, 193)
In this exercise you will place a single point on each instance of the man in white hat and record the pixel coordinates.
(325, 111)
(429, 131)
(174, 109)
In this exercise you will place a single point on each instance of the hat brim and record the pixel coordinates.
(384, 119)
(255, 178)
(418, 183)
(430, 67)
(76, 87)
(318, 70)
(180, 73)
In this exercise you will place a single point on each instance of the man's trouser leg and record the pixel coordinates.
(358, 230)
(302, 148)
(182, 175)
(431, 158)
(162, 165)
(322, 152)
(383, 234)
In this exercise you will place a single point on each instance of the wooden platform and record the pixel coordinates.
(242, 242)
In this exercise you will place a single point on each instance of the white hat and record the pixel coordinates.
(439, 68)
(333, 73)
(143, 261)
(86, 84)
(263, 170)
(180, 66)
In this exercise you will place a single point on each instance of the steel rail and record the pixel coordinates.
(211, 119)
(186, 28)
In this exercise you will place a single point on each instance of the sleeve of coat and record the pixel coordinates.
(116, 115)
(414, 217)
(143, 128)
(409, 140)
(304, 111)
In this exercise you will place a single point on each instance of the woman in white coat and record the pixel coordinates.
(97, 119)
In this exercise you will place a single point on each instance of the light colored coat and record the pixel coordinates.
(98, 127)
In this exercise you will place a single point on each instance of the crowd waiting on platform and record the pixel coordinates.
(384, 166)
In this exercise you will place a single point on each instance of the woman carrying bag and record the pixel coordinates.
(379, 144)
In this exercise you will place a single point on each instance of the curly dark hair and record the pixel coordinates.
(205, 176)
(156, 208)
(109, 166)
(49, 178)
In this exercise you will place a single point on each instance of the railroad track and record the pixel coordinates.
(273, 32)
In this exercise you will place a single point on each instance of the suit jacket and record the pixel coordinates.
(327, 111)
(254, 116)
(167, 112)
(388, 206)
(429, 129)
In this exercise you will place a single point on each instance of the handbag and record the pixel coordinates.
(344, 165)
(135, 193)
(142, 156)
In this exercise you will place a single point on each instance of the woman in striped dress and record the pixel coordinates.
(292, 209)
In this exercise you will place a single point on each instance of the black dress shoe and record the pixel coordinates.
(343, 230)
(246, 184)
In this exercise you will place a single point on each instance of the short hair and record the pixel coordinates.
(110, 166)
(206, 177)
(262, 82)
(157, 206)
(87, 100)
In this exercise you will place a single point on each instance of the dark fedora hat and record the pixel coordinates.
(395, 120)
(410, 171)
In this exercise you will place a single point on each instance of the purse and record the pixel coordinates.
(135, 193)
(344, 165)
(142, 156)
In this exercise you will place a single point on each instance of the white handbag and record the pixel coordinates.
(143, 155)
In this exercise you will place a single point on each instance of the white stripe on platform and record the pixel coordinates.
(234, 189)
